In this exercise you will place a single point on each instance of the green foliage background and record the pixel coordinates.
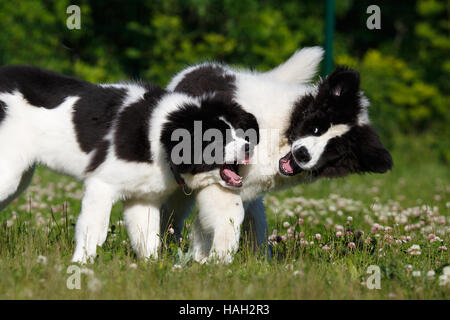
(405, 66)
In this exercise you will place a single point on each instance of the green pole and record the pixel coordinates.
(329, 30)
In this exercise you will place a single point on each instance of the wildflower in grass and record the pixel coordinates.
(41, 260)
(171, 231)
(408, 238)
(431, 236)
(409, 267)
(300, 221)
(431, 274)
(339, 227)
(368, 240)
(444, 279)
(303, 243)
(388, 238)
(132, 266)
(318, 236)
(302, 234)
(349, 218)
(414, 250)
(283, 238)
(176, 267)
(351, 245)
(9, 223)
(326, 248)
(297, 273)
(180, 240)
(94, 284)
(388, 229)
(416, 273)
(398, 241)
(289, 267)
(339, 234)
(311, 243)
(443, 248)
(88, 272)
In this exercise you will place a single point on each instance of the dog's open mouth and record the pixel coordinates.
(229, 174)
(288, 166)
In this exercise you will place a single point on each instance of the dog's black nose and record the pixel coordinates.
(247, 148)
(302, 155)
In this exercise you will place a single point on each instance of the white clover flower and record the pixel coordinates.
(318, 236)
(339, 234)
(446, 270)
(87, 271)
(94, 284)
(41, 260)
(176, 267)
(444, 280)
(416, 273)
(132, 266)
(286, 224)
(431, 274)
(414, 250)
(351, 245)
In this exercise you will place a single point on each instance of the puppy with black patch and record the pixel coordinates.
(119, 140)
(323, 130)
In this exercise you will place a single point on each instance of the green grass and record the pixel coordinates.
(416, 193)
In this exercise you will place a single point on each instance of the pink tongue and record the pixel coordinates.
(231, 174)
(286, 164)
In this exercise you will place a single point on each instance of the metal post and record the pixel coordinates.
(329, 30)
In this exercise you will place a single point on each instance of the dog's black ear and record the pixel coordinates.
(343, 83)
(371, 154)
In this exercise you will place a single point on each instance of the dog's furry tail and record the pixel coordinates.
(301, 67)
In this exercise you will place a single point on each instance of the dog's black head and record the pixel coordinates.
(330, 133)
(215, 133)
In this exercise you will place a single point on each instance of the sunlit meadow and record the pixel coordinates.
(324, 237)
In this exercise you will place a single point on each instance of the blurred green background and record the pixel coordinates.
(405, 66)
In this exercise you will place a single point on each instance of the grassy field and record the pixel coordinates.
(325, 236)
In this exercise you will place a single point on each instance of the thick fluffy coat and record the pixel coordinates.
(116, 138)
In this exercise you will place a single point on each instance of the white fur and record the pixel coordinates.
(270, 98)
(31, 134)
(316, 144)
(300, 68)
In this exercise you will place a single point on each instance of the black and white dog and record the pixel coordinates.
(119, 139)
(306, 132)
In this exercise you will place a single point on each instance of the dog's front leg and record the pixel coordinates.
(92, 224)
(221, 214)
(142, 219)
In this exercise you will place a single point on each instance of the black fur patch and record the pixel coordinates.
(99, 157)
(207, 78)
(338, 101)
(2, 111)
(131, 136)
(358, 151)
(41, 88)
(209, 113)
(94, 114)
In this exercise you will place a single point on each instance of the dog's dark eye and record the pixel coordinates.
(316, 131)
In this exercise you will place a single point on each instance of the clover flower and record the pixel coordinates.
(414, 250)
